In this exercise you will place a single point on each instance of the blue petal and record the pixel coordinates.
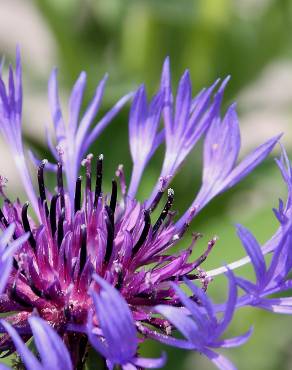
(51, 348)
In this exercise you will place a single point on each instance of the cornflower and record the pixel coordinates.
(89, 269)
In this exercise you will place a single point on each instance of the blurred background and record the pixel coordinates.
(129, 39)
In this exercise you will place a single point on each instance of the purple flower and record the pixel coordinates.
(268, 280)
(52, 351)
(94, 265)
(116, 323)
(199, 324)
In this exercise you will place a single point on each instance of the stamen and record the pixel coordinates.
(164, 181)
(39, 293)
(203, 257)
(83, 249)
(120, 174)
(61, 228)
(110, 233)
(41, 182)
(67, 313)
(53, 209)
(3, 219)
(98, 179)
(60, 184)
(120, 280)
(16, 298)
(144, 233)
(87, 163)
(26, 225)
(164, 212)
(113, 201)
(77, 199)
(185, 226)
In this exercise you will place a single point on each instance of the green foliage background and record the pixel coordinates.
(130, 39)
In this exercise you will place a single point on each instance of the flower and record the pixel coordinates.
(87, 250)
(200, 326)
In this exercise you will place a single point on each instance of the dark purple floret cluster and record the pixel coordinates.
(82, 268)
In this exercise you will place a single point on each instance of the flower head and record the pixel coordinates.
(88, 250)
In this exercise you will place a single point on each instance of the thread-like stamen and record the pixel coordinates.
(185, 226)
(203, 257)
(156, 200)
(144, 234)
(67, 313)
(60, 184)
(39, 293)
(77, 198)
(98, 182)
(120, 280)
(41, 182)
(110, 233)
(61, 228)
(53, 211)
(5, 223)
(83, 248)
(26, 225)
(164, 212)
(113, 201)
(16, 298)
(87, 163)
(3, 219)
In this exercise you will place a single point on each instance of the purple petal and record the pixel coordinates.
(234, 342)
(27, 357)
(218, 360)
(168, 98)
(192, 307)
(254, 251)
(204, 299)
(90, 113)
(104, 122)
(248, 164)
(182, 322)
(55, 106)
(151, 363)
(50, 346)
(230, 305)
(183, 103)
(116, 322)
(75, 102)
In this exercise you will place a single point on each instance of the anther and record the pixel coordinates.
(168, 205)
(164, 181)
(110, 233)
(41, 182)
(98, 182)
(60, 235)
(113, 201)
(53, 209)
(144, 234)
(83, 249)
(60, 184)
(39, 293)
(26, 225)
(16, 298)
(120, 280)
(3, 219)
(77, 198)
